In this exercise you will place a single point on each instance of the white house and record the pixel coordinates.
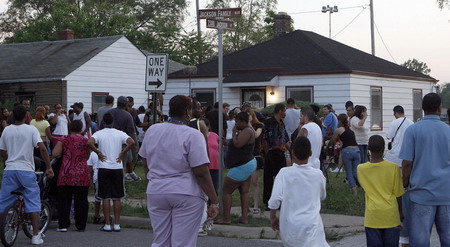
(68, 71)
(308, 67)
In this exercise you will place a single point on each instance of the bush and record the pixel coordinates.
(268, 111)
(8, 103)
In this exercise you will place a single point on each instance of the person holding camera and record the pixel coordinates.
(395, 135)
(61, 122)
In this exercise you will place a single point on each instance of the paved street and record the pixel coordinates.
(128, 237)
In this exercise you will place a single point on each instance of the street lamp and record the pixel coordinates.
(330, 9)
(190, 70)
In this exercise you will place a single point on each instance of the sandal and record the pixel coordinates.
(222, 222)
(256, 211)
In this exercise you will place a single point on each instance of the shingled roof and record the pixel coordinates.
(300, 53)
(48, 60)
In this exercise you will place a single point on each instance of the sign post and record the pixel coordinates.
(215, 19)
(156, 77)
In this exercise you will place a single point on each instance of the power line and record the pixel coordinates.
(350, 22)
(316, 11)
(379, 34)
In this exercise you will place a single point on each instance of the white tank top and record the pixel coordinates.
(81, 118)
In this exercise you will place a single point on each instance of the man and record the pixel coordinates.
(395, 134)
(311, 130)
(110, 172)
(426, 173)
(292, 117)
(26, 102)
(226, 108)
(123, 121)
(109, 103)
(83, 116)
(275, 142)
(16, 147)
(330, 122)
(316, 110)
(130, 175)
(213, 118)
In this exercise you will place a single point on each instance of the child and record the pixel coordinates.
(382, 182)
(299, 190)
(93, 168)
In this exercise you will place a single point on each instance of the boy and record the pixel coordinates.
(382, 182)
(93, 168)
(299, 190)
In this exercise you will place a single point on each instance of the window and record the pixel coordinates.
(417, 104)
(98, 100)
(376, 108)
(300, 93)
(206, 97)
(256, 97)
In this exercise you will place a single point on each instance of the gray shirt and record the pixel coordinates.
(101, 111)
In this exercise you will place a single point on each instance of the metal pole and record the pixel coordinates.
(372, 31)
(220, 32)
(199, 35)
(189, 93)
(329, 26)
(154, 107)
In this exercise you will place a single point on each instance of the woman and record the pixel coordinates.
(357, 125)
(74, 177)
(259, 129)
(43, 126)
(4, 114)
(178, 177)
(61, 122)
(242, 165)
(350, 151)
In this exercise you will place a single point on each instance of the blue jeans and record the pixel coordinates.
(351, 158)
(363, 153)
(422, 219)
(382, 237)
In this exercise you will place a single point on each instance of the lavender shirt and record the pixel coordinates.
(172, 151)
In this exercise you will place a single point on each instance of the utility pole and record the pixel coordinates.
(199, 35)
(330, 9)
(372, 31)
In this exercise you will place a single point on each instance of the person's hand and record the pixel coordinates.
(364, 114)
(49, 173)
(101, 157)
(120, 158)
(275, 222)
(213, 211)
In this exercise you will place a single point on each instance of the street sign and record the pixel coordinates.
(219, 13)
(156, 72)
(219, 24)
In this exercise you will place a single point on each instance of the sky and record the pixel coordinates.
(409, 28)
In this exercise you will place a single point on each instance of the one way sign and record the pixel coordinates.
(156, 73)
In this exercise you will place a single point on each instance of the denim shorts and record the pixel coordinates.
(24, 181)
(242, 172)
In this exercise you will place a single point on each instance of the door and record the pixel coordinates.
(256, 97)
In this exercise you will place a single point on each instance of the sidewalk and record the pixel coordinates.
(337, 225)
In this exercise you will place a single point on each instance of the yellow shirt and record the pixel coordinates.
(382, 183)
(40, 126)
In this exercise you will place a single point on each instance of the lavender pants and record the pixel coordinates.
(175, 219)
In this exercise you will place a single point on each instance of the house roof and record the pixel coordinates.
(300, 53)
(173, 65)
(48, 60)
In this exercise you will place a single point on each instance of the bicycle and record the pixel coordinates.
(14, 216)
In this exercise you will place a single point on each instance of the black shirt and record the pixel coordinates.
(213, 118)
(348, 138)
(257, 150)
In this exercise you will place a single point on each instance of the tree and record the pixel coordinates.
(444, 92)
(442, 3)
(417, 66)
(247, 31)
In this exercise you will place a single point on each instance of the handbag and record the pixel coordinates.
(390, 143)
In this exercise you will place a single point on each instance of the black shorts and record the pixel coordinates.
(259, 162)
(110, 184)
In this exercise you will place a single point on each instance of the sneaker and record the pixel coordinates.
(61, 229)
(134, 176)
(37, 239)
(202, 234)
(116, 228)
(106, 228)
(127, 177)
(335, 170)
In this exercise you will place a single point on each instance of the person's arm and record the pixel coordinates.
(204, 131)
(48, 133)
(406, 171)
(304, 132)
(275, 200)
(91, 143)
(204, 180)
(57, 150)
(88, 120)
(4, 154)
(258, 132)
(146, 170)
(130, 144)
(241, 139)
(363, 120)
(46, 158)
(274, 221)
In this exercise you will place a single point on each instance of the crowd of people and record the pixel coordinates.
(294, 148)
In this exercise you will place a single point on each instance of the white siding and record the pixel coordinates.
(118, 70)
(394, 92)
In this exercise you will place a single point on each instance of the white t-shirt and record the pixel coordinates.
(19, 141)
(81, 118)
(315, 137)
(61, 126)
(110, 142)
(230, 124)
(291, 120)
(361, 134)
(140, 130)
(93, 161)
(393, 154)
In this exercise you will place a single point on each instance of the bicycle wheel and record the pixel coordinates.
(44, 220)
(9, 227)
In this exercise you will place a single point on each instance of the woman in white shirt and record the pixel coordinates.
(61, 122)
(357, 123)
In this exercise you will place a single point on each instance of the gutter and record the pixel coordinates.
(31, 80)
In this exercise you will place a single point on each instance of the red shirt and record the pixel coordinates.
(213, 148)
(74, 169)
